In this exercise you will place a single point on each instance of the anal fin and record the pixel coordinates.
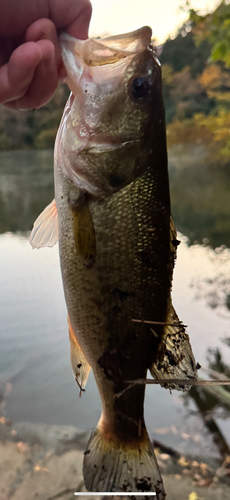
(79, 363)
(175, 358)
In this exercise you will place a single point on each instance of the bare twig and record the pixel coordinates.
(148, 322)
(62, 494)
(65, 492)
(186, 382)
(153, 332)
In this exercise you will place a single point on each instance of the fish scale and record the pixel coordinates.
(117, 246)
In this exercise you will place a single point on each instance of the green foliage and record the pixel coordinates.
(196, 91)
(214, 27)
(184, 95)
(32, 129)
(182, 52)
(196, 83)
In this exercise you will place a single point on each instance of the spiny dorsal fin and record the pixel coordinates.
(45, 228)
(80, 365)
(175, 359)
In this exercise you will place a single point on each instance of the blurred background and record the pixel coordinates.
(36, 384)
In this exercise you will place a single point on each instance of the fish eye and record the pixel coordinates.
(139, 87)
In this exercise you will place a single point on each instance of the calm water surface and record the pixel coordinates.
(36, 382)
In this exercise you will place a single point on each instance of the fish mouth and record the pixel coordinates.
(105, 50)
(86, 59)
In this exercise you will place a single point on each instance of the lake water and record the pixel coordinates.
(36, 382)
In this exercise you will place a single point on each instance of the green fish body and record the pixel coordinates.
(117, 247)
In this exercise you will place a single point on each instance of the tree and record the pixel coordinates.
(182, 51)
(214, 27)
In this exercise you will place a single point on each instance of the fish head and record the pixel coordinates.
(108, 127)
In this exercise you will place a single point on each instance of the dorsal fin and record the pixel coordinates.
(175, 357)
(45, 228)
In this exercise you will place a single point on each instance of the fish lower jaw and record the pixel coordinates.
(90, 143)
(94, 146)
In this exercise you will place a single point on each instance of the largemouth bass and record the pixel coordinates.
(117, 248)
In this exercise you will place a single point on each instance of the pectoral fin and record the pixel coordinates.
(84, 234)
(45, 228)
(175, 358)
(80, 365)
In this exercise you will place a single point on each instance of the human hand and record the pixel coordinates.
(30, 57)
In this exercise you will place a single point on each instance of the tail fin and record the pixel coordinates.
(110, 465)
(175, 358)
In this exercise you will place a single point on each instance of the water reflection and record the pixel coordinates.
(199, 193)
(213, 402)
(205, 403)
(213, 286)
(26, 187)
(199, 196)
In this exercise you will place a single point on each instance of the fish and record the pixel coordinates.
(117, 243)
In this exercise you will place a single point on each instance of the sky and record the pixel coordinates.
(164, 16)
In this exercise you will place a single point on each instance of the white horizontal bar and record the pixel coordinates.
(119, 493)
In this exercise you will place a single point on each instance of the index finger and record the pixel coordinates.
(73, 15)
